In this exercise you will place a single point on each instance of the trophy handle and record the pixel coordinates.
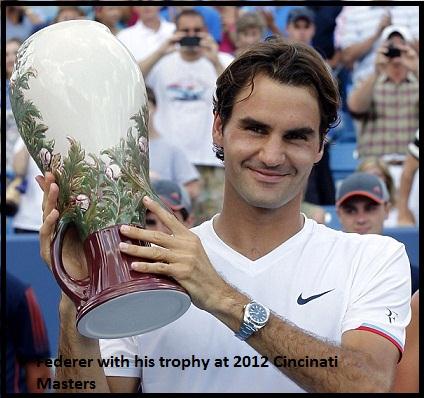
(76, 290)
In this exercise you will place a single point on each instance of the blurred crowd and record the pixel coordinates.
(372, 51)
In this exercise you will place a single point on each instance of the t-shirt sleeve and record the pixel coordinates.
(32, 340)
(381, 291)
(125, 348)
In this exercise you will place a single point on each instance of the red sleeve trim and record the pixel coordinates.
(380, 333)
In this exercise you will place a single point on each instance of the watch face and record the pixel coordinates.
(258, 313)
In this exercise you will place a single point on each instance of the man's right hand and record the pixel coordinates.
(72, 253)
(170, 45)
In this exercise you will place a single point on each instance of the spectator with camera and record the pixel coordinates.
(386, 103)
(182, 73)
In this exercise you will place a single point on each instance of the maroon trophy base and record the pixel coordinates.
(131, 309)
(115, 301)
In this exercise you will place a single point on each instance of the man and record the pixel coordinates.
(250, 28)
(358, 31)
(183, 79)
(175, 198)
(362, 203)
(301, 25)
(386, 103)
(273, 107)
(147, 34)
(26, 339)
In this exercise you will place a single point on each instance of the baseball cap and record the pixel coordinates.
(172, 194)
(402, 30)
(300, 13)
(362, 184)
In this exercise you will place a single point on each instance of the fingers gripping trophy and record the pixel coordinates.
(80, 105)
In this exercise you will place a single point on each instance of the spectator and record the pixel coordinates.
(167, 161)
(184, 82)
(148, 34)
(26, 339)
(20, 21)
(210, 15)
(409, 186)
(362, 205)
(407, 372)
(358, 30)
(177, 199)
(301, 25)
(109, 16)
(250, 28)
(386, 103)
(229, 16)
(378, 167)
(274, 17)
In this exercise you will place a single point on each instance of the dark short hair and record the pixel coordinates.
(151, 95)
(291, 63)
(190, 13)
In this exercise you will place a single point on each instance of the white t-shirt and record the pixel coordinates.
(184, 115)
(366, 276)
(30, 214)
(142, 41)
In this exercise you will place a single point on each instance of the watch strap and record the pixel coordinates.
(245, 331)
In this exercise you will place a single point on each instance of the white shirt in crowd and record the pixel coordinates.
(184, 92)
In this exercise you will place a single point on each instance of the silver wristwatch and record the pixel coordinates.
(255, 317)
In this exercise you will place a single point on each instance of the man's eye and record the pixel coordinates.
(296, 136)
(256, 129)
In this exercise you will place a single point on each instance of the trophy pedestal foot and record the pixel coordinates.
(132, 313)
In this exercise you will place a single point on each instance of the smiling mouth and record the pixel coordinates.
(267, 176)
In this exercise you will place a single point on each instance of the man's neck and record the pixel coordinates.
(397, 75)
(255, 232)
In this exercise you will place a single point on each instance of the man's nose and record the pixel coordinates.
(272, 153)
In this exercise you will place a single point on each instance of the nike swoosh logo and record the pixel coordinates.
(302, 301)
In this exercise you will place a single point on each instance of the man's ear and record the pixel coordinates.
(217, 133)
(319, 155)
(387, 208)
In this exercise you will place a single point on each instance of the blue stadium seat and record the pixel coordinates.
(343, 159)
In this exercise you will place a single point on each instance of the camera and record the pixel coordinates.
(190, 41)
(392, 52)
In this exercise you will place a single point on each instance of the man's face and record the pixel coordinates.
(248, 37)
(301, 31)
(362, 215)
(110, 15)
(270, 143)
(191, 25)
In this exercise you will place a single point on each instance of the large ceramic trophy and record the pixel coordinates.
(80, 104)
